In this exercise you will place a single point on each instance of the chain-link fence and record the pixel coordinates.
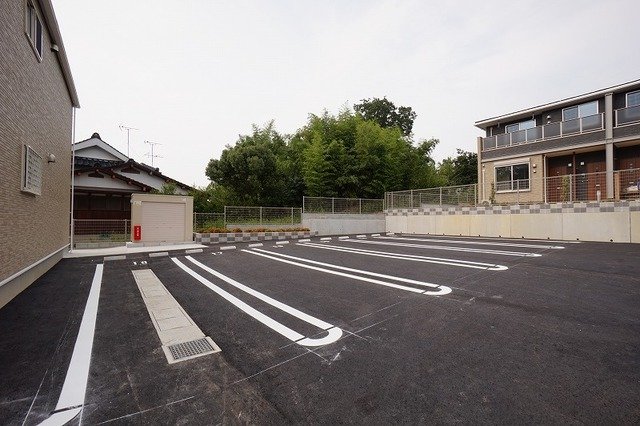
(342, 205)
(205, 221)
(262, 216)
(461, 195)
(104, 231)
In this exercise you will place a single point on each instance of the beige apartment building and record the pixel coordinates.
(584, 148)
(37, 99)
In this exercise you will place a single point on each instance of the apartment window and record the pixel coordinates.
(512, 177)
(633, 99)
(524, 125)
(579, 111)
(34, 29)
(31, 171)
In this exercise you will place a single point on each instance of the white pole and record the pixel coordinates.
(73, 175)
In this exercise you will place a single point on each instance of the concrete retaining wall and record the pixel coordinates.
(604, 221)
(334, 224)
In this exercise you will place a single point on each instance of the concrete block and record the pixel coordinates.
(541, 226)
(596, 226)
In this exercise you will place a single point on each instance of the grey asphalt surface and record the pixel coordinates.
(555, 338)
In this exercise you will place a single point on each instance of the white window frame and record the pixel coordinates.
(31, 23)
(578, 106)
(626, 98)
(32, 171)
(511, 164)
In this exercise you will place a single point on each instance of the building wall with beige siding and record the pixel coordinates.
(536, 175)
(35, 110)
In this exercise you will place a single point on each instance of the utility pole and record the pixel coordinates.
(152, 144)
(128, 129)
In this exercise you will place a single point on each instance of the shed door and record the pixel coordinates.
(163, 221)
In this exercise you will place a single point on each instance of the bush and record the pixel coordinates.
(216, 230)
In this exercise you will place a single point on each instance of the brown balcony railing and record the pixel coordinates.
(592, 186)
(548, 131)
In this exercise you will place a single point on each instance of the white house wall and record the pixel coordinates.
(150, 180)
(95, 152)
(105, 183)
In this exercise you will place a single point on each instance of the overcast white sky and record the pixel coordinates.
(193, 75)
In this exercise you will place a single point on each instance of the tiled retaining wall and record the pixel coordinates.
(205, 238)
(604, 221)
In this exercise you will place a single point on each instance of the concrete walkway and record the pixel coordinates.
(111, 251)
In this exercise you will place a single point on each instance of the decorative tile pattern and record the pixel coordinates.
(240, 237)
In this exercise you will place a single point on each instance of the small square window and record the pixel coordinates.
(31, 171)
(633, 99)
(34, 29)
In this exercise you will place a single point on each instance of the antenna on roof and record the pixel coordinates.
(128, 129)
(152, 144)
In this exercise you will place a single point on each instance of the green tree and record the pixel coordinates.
(459, 170)
(386, 114)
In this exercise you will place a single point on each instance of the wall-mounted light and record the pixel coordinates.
(51, 158)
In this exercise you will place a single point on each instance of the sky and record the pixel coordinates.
(192, 75)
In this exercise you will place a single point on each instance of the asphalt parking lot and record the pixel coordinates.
(369, 329)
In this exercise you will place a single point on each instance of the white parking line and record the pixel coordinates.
(447, 248)
(533, 240)
(441, 290)
(412, 257)
(480, 243)
(334, 333)
(71, 400)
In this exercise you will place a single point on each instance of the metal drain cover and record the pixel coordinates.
(191, 349)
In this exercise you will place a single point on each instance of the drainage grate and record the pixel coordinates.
(190, 349)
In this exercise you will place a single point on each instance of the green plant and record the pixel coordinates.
(492, 194)
(566, 188)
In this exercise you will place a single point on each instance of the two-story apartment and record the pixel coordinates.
(584, 148)
(37, 99)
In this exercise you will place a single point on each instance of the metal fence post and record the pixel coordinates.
(411, 197)
(360, 200)
(440, 195)
(303, 201)
(475, 194)
(224, 218)
(260, 215)
(292, 215)
(333, 205)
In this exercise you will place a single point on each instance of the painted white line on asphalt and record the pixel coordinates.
(228, 248)
(441, 290)
(325, 239)
(412, 257)
(255, 245)
(334, 332)
(447, 248)
(282, 242)
(74, 388)
(471, 237)
(304, 240)
(361, 236)
(390, 233)
(375, 235)
(344, 237)
(363, 272)
(505, 244)
(193, 251)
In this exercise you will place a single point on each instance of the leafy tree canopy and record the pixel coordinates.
(386, 114)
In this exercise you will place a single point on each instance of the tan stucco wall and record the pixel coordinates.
(534, 195)
(35, 109)
(137, 200)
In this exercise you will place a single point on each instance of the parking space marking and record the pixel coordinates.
(503, 244)
(334, 333)
(255, 245)
(172, 323)
(447, 248)
(411, 257)
(71, 398)
(471, 237)
(441, 290)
